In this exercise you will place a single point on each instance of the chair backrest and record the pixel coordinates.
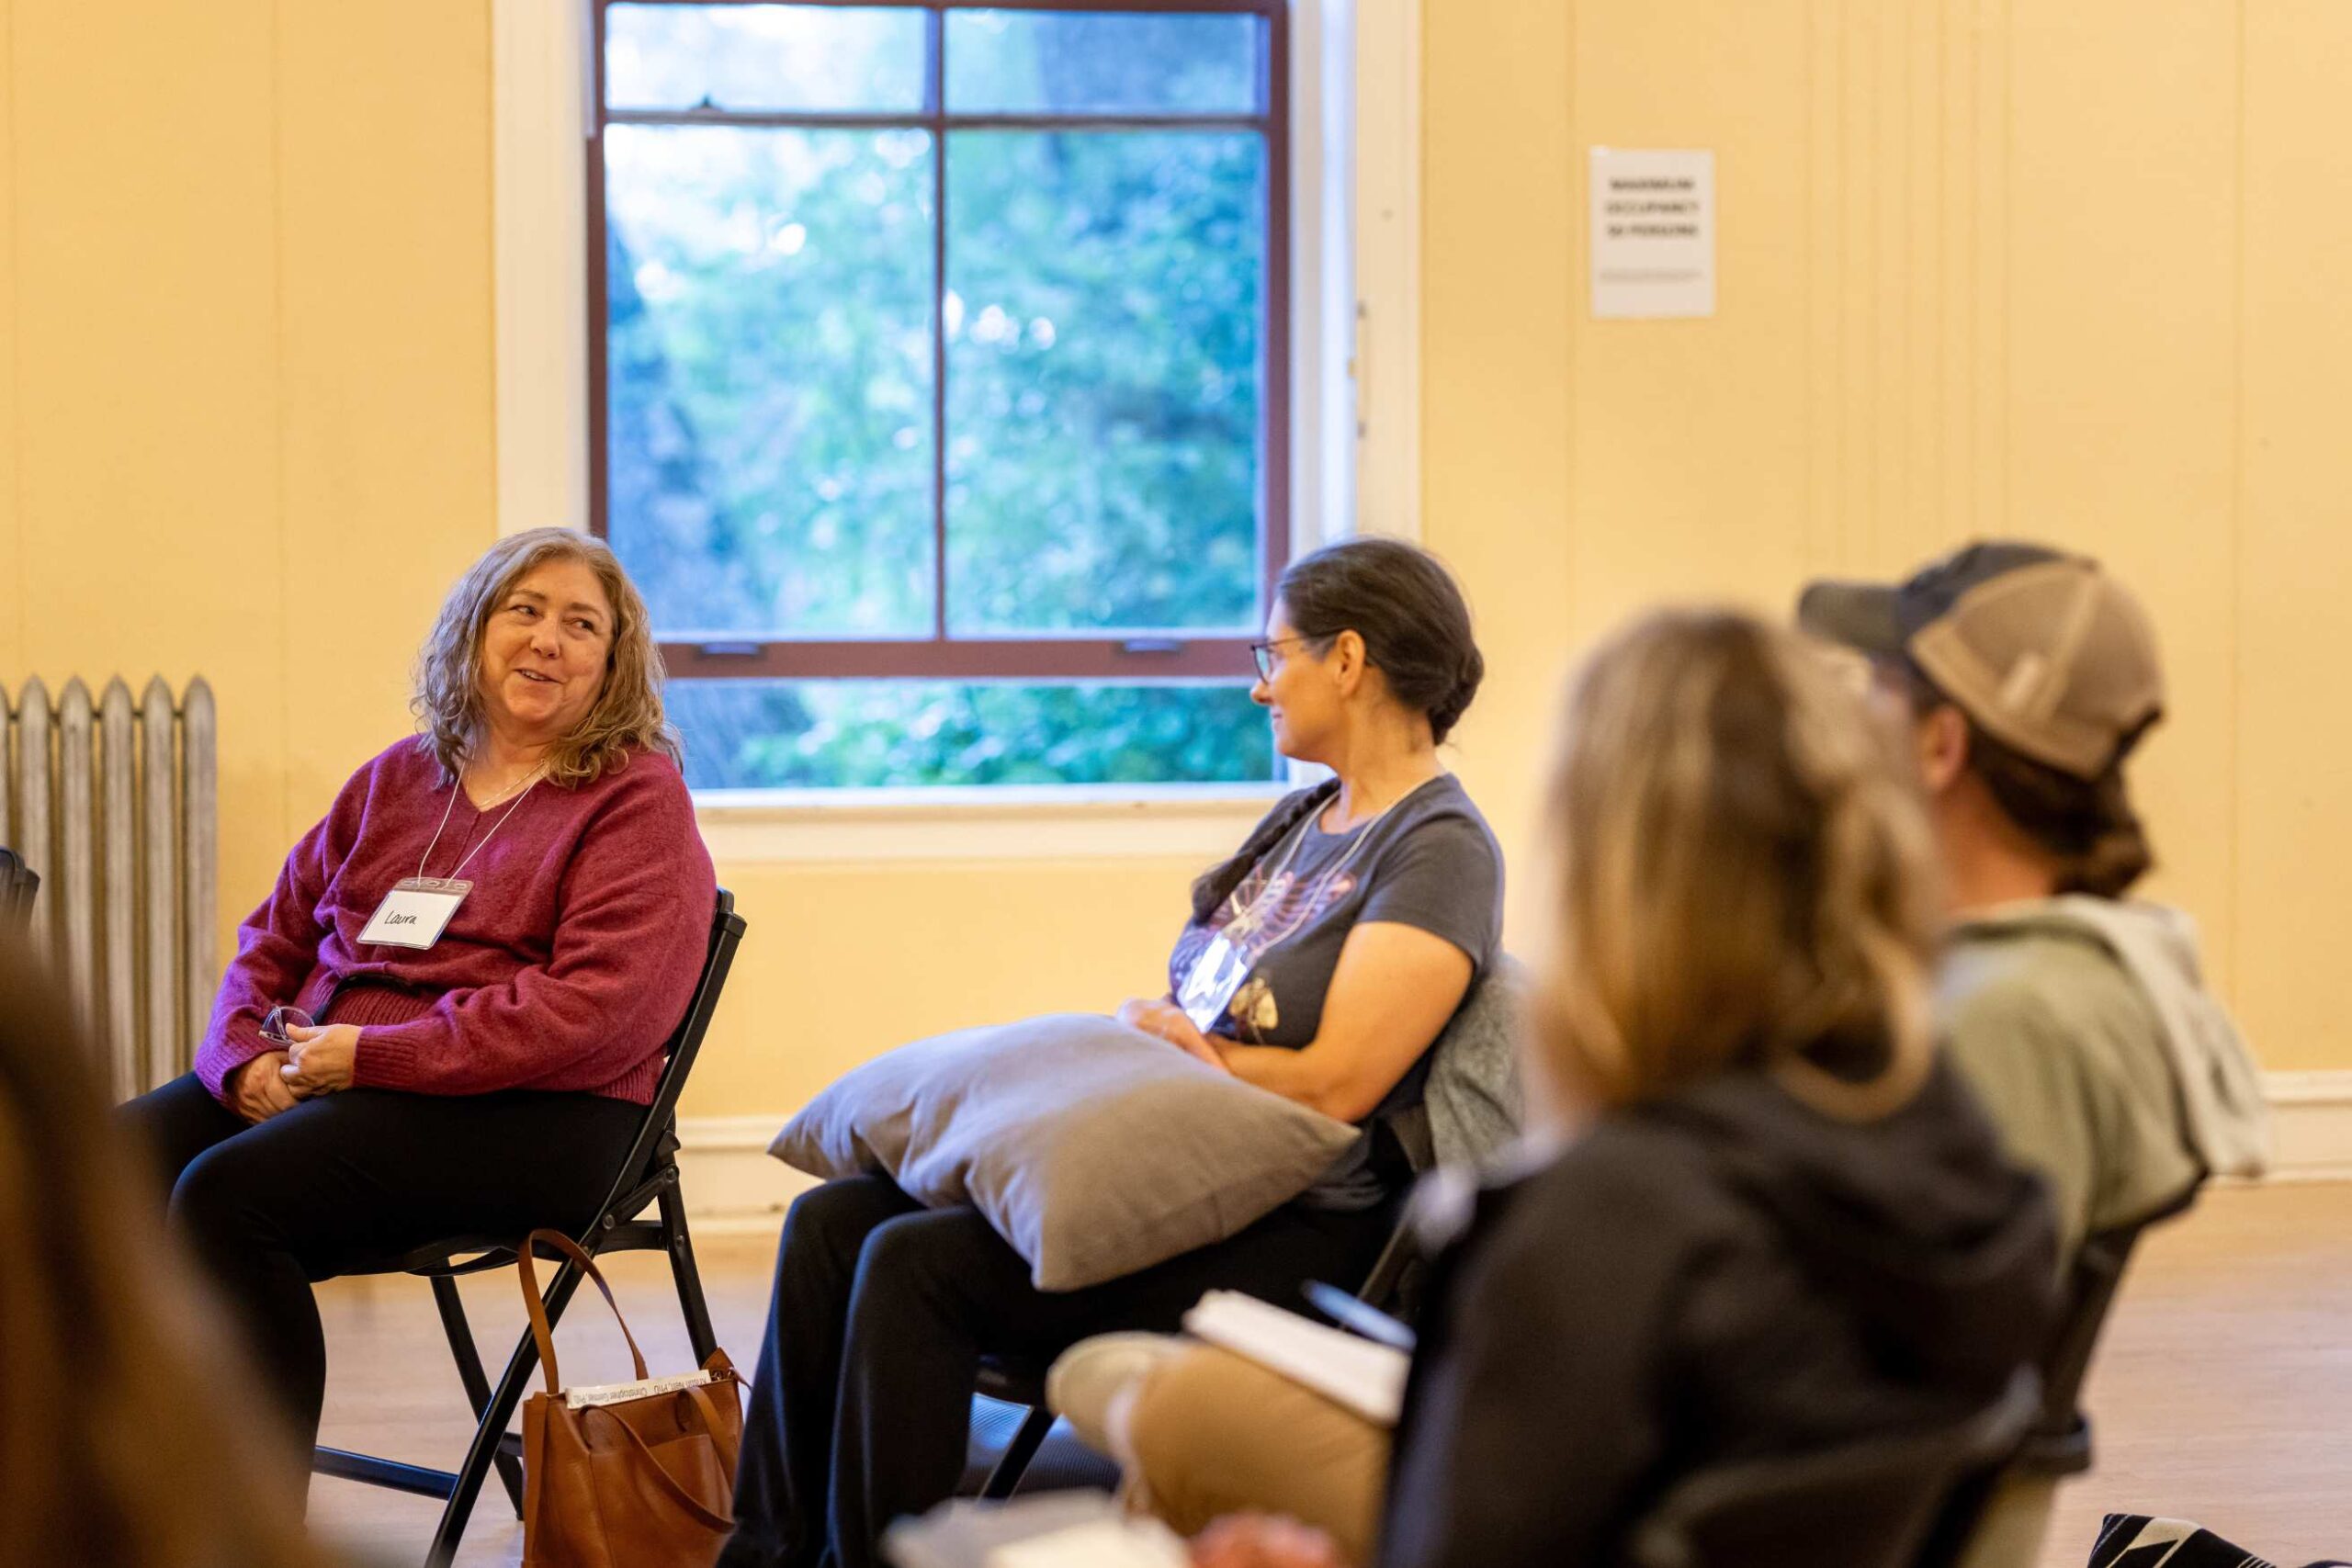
(1886, 1496)
(657, 1139)
(2060, 1443)
(18, 882)
(1474, 1102)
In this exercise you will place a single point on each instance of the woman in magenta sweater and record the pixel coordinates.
(495, 927)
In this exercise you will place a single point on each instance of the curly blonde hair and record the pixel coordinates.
(1743, 877)
(627, 716)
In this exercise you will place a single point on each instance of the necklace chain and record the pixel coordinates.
(522, 789)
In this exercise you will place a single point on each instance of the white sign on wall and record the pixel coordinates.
(1653, 233)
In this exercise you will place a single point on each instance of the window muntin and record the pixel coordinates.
(956, 396)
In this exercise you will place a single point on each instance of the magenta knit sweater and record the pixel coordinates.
(567, 967)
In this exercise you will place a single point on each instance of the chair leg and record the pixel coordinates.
(1014, 1463)
(470, 1373)
(493, 1429)
(684, 1274)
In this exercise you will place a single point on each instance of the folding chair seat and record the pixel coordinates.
(648, 1178)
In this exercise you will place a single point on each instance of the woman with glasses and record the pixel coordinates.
(1319, 962)
(447, 1017)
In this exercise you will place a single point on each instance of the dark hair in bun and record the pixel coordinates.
(1413, 620)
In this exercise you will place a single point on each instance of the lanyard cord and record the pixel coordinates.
(1306, 908)
(529, 785)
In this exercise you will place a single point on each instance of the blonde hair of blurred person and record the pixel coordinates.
(1709, 913)
(130, 1434)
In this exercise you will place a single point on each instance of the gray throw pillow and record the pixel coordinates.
(1094, 1149)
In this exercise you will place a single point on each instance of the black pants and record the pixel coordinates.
(882, 1311)
(268, 1209)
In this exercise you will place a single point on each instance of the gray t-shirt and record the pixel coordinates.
(1429, 861)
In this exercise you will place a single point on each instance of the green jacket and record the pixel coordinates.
(2084, 1027)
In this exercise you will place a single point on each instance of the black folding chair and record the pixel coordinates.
(1021, 1382)
(18, 882)
(647, 1177)
(2059, 1442)
(1886, 1493)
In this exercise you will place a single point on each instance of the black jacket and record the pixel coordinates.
(1722, 1275)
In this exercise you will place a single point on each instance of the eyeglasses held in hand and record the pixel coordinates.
(279, 1019)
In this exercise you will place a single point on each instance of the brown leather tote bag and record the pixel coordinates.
(615, 1480)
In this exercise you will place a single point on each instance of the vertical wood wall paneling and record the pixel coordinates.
(1692, 480)
(1499, 237)
(387, 435)
(2121, 322)
(147, 286)
(2294, 747)
(12, 562)
(1904, 231)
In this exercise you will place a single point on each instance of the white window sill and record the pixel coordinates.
(1196, 822)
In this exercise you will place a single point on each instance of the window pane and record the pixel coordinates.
(1070, 63)
(813, 59)
(863, 734)
(769, 398)
(1104, 332)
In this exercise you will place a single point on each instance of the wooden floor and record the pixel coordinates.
(2222, 1393)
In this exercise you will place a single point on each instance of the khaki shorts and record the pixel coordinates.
(1208, 1433)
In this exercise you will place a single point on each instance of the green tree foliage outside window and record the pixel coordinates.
(770, 362)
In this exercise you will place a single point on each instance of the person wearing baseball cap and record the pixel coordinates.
(2027, 677)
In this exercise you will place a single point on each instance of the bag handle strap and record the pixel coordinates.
(541, 1334)
(721, 1438)
(695, 1507)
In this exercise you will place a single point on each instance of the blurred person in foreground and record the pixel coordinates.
(1772, 1219)
(496, 927)
(130, 1434)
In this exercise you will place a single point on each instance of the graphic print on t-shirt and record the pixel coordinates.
(1269, 907)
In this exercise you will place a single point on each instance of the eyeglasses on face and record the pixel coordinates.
(1263, 652)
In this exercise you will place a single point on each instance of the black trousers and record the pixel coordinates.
(268, 1209)
(882, 1311)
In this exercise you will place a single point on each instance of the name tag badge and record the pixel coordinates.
(1215, 975)
(416, 912)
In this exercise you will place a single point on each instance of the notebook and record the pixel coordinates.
(1052, 1530)
(1366, 1378)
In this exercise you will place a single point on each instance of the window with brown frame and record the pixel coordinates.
(939, 379)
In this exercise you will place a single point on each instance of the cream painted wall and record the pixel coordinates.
(1986, 265)
(244, 310)
(246, 431)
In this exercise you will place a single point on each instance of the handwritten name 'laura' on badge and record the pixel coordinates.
(416, 912)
